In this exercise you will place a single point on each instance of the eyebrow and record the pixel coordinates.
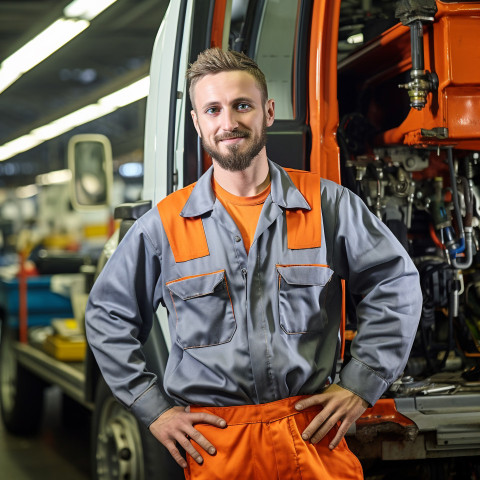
(235, 101)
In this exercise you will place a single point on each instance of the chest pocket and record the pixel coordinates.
(204, 310)
(302, 293)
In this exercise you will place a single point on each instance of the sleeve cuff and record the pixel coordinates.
(149, 406)
(363, 381)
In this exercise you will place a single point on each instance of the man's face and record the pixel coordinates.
(231, 118)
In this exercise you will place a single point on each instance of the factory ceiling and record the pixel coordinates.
(111, 53)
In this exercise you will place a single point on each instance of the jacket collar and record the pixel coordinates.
(283, 193)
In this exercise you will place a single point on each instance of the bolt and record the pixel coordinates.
(410, 162)
(125, 454)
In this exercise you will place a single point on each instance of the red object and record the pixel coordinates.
(384, 411)
(436, 240)
(23, 301)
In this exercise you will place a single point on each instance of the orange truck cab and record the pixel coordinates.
(381, 96)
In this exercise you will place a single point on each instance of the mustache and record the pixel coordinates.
(230, 135)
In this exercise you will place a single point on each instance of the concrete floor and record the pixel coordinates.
(57, 452)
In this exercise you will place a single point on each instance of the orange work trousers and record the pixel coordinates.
(264, 442)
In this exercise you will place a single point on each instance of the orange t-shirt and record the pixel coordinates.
(244, 211)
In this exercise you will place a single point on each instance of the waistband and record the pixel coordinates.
(261, 413)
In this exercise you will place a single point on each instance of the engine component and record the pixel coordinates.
(415, 14)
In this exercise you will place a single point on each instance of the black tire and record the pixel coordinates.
(124, 449)
(21, 392)
(74, 415)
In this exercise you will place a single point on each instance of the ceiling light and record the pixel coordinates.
(38, 49)
(7, 77)
(19, 145)
(127, 95)
(27, 191)
(70, 121)
(355, 39)
(58, 176)
(60, 32)
(131, 170)
(86, 9)
(104, 106)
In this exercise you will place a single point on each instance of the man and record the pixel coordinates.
(248, 262)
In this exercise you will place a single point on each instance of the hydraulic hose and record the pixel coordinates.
(456, 205)
(466, 261)
(450, 332)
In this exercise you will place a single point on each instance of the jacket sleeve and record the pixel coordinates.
(118, 319)
(378, 268)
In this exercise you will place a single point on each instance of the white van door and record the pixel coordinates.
(163, 140)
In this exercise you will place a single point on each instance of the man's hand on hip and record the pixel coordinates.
(339, 405)
(177, 425)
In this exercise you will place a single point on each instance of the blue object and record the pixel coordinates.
(459, 249)
(42, 303)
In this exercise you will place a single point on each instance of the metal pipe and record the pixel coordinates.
(416, 42)
(466, 261)
(465, 232)
(453, 181)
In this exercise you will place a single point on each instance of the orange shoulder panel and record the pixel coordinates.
(304, 227)
(186, 235)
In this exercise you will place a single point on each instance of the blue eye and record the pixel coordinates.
(243, 106)
(211, 110)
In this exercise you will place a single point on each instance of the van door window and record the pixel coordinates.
(268, 32)
(275, 34)
(274, 53)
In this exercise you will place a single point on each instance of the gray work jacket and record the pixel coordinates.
(249, 329)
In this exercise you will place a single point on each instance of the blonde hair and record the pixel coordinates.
(215, 60)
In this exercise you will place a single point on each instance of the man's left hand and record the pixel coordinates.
(339, 405)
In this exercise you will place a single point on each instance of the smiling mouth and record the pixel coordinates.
(231, 137)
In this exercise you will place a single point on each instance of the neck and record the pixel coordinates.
(248, 182)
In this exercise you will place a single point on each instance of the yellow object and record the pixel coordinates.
(60, 241)
(68, 328)
(64, 349)
(97, 230)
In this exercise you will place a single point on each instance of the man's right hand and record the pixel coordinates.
(177, 426)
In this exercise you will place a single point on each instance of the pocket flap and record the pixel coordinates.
(197, 285)
(305, 274)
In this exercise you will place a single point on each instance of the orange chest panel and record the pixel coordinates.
(187, 238)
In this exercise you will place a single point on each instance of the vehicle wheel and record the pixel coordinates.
(124, 449)
(21, 392)
(74, 415)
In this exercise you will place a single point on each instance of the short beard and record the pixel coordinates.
(236, 161)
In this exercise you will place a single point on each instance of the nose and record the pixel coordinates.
(229, 122)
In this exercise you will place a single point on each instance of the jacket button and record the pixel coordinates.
(237, 238)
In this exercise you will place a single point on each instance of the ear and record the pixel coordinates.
(195, 123)
(269, 112)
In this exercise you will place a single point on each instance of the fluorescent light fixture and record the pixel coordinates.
(68, 122)
(104, 106)
(355, 39)
(27, 191)
(86, 9)
(78, 15)
(131, 170)
(38, 49)
(58, 176)
(7, 77)
(127, 95)
(19, 145)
